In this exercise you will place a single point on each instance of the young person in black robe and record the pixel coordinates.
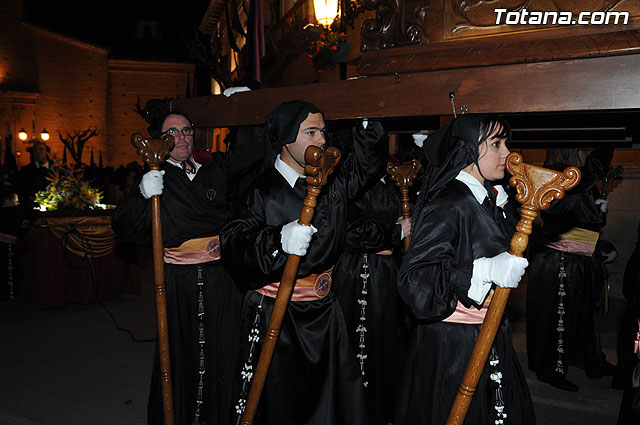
(365, 282)
(561, 289)
(459, 241)
(314, 378)
(203, 302)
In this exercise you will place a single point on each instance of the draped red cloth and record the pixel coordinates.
(76, 259)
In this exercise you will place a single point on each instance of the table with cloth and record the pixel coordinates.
(76, 259)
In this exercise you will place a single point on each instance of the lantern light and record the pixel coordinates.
(44, 135)
(22, 134)
(326, 11)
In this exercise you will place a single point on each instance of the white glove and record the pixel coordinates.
(151, 183)
(365, 123)
(419, 138)
(603, 203)
(231, 90)
(405, 226)
(295, 238)
(505, 270)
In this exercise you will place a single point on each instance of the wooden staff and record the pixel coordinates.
(319, 165)
(403, 175)
(153, 152)
(537, 187)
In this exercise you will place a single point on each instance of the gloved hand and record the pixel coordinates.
(373, 132)
(151, 183)
(505, 270)
(603, 204)
(419, 138)
(405, 225)
(231, 90)
(295, 238)
(365, 123)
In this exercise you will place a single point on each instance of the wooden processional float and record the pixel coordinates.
(319, 165)
(153, 152)
(536, 187)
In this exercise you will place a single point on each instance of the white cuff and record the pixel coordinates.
(479, 287)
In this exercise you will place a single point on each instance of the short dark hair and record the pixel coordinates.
(156, 130)
(490, 124)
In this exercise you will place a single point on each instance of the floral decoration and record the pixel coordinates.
(67, 190)
(320, 52)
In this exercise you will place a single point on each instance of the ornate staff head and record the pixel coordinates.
(153, 151)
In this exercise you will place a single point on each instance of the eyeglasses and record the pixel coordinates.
(187, 131)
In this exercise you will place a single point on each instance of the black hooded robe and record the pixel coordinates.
(450, 229)
(581, 338)
(374, 233)
(188, 210)
(314, 378)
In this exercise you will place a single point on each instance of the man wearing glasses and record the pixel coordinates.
(203, 303)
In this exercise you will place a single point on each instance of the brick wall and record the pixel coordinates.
(128, 82)
(73, 90)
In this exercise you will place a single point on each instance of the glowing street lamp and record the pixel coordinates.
(22, 134)
(326, 11)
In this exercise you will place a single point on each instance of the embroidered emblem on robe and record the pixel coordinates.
(213, 247)
(323, 284)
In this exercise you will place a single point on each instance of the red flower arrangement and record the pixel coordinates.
(320, 52)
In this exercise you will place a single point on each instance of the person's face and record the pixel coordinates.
(39, 153)
(12, 201)
(493, 153)
(183, 148)
(311, 133)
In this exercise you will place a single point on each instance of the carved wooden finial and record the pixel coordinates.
(536, 187)
(153, 151)
(319, 164)
(404, 175)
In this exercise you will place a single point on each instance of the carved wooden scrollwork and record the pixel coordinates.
(480, 13)
(388, 28)
(417, 27)
(524, 177)
(153, 151)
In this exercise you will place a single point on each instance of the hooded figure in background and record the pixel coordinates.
(314, 378)
(460, 235)
(562, 294)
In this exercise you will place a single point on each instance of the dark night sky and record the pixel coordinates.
(111, 22)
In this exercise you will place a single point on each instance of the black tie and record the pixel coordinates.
(188, 167)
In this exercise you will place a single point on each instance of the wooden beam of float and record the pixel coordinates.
(592, 84)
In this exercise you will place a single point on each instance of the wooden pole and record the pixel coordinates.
(319, 165)
(153, 152)
(537, 187)
(403, 175)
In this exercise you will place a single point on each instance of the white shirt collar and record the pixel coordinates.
(479, 191)
(289, 174)
(179, 165)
